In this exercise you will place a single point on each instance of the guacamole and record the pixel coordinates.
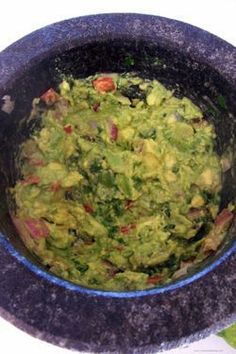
(119, 187)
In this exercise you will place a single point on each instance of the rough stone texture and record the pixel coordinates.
(142, 324)
(137, 322)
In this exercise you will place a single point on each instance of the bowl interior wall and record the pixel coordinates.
(176, 70)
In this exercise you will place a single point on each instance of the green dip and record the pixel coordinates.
(120, 185)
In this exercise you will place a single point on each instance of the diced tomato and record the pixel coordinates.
(129, 204)
(124, 229)
(154, 279)
(104, 84)
(96, 106)
(111, 269)
(88, 208)
(223, 219)
(55, 186)
(68, 129)
(113, 132)
(50, 97)
(127, 228)
(32, 179)
(36, 227)
(33, 161)
(214, 238)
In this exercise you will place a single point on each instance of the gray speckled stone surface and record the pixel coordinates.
(129, 325)
(92, 321)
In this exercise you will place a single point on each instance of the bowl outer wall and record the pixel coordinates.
(90, 322)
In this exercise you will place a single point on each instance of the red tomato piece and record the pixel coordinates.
(127, 228)
(104, 84)
(154, 279)
(36, 227)
(224, 218)
(96, 106)
(68, 129)
(32, 179)
(129, 204)
(113, 132)
(50, 97)
(55, 186)
(88, 208)
(35, 162)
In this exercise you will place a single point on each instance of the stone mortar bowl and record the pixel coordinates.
(187, 59)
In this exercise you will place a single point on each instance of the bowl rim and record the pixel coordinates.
(174, 285)
(18, 46)
(25, 51)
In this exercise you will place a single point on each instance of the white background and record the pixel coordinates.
(20, 17)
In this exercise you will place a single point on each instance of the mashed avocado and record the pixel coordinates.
(120, 185)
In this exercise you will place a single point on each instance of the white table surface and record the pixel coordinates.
(20, 17)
